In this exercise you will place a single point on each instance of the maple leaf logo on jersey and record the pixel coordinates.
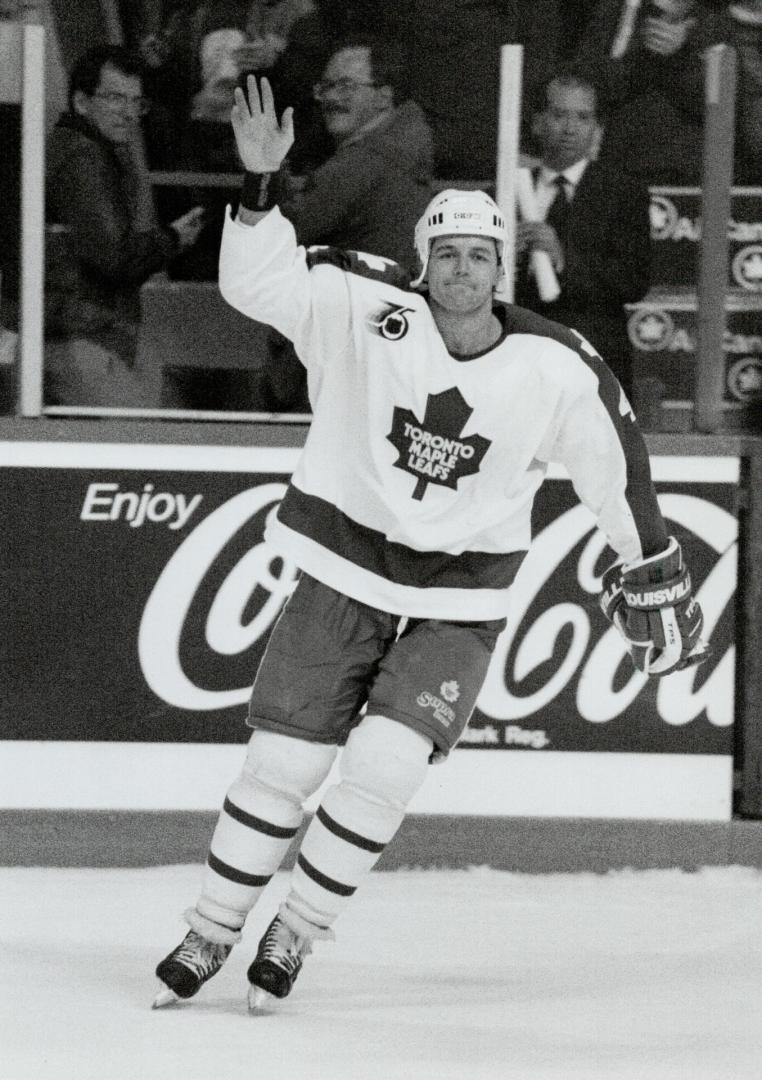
(390, 321)
(430, 449)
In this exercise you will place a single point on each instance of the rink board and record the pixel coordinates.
(166, 776)
(142, 596)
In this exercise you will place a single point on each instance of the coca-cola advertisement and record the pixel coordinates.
(140, 594)
(561, 679)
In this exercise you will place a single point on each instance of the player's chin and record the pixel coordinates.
(462, 298)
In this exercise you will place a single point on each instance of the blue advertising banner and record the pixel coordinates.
(675, 214)
(663, 331)
(140, 594)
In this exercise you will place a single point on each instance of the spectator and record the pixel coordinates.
(595, 228)
(745, 35)
(10, 170)
(167, 46)
(574, 20)
(268, 30)
(230, 38)
(312, 40)
(97, 187)
(207, 144)
(194, 54)
(19, 10)
(646, 59)
(369, 193)
(374, 186)
(454, 61)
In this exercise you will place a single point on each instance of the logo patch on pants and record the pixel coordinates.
(450, 692)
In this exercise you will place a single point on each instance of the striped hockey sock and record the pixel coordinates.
(260, 817)
(334, 859)
(246, 850)
(355, 821)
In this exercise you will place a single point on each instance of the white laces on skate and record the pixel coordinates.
(275, 967)
(188, 967)
(283, 947)
(201, 956)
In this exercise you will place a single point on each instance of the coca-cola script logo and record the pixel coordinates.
(227, 633)
(556, 639)
(600, 691)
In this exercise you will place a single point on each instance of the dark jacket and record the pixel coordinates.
(112, 244)
(370, 193)
(746, 39)
(607, 264)
(453, 50)
(653, 106)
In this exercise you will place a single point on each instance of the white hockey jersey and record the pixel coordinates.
(414, 490)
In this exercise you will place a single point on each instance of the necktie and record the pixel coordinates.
(558, 212)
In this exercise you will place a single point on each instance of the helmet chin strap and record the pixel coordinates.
(468, 213)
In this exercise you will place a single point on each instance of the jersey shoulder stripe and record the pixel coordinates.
(360, 263)
(519, 320)
(640, 496)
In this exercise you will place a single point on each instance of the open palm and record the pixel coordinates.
(262, 142)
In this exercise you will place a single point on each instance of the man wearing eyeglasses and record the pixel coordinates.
(368, 195)
(98, 189)
(370, 192)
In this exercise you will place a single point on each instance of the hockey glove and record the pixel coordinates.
(650, 603)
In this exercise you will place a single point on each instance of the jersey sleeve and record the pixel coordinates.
(267, 276)
(598, 441)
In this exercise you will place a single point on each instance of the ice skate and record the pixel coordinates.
(188, 967)
(274, 969)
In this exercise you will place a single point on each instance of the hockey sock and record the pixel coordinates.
(383, 765)
(261, 815)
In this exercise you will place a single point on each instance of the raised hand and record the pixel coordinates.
(665, 38)
(262, 142)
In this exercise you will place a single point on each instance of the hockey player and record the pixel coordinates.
(436, 410)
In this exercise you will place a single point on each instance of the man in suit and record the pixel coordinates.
(595, 226)
(453, 51)
(368, 194)
(646, 57)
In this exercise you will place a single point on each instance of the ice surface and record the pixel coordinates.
(478, 974)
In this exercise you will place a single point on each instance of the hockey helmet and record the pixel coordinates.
(471, 213)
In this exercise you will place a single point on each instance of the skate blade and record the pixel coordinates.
(164, 997)
(261, 1002)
